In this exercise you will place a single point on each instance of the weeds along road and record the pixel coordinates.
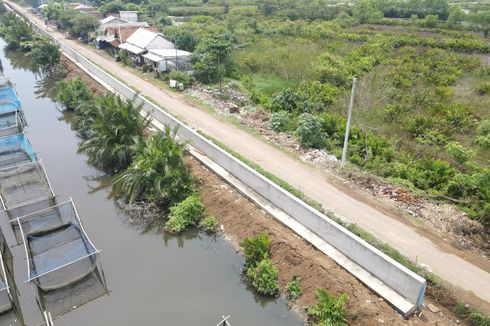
(312, 181)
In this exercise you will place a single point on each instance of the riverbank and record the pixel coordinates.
(239, 219)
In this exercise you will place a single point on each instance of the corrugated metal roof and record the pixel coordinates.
(141, 38)
(131, 48)
(153, 57)
(169, 53)
(106, 20)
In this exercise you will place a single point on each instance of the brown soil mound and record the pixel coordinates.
(295, 257)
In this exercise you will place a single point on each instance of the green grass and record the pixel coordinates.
(267, 84)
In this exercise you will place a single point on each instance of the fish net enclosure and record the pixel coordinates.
(6, 302)
(59, 252)
(15, 150)
(23, 185)
(9, 101)
(61, 301)
(10, 313)
(11, 123)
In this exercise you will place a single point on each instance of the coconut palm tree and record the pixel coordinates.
(158, 172)
(15, 30)
(115, 126)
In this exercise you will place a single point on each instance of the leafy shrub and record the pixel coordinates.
(181, 76)
(263, 277)
(44, 52)
(124, 57)
(309, 131)
(484, 71)
(71, 93)
(294, 289)
(256, 249)
(329, 310)
(115, 127)
(158, 172)
(286, 100)
(461, 309)
(462, 186)
(332, 69)
(479, 319)
(279, 121)
(483, 88)
(458, 153)
(483, 134)
(210, 224)
(430, 174)
(186, 213)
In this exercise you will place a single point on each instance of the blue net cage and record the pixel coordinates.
(9, 101)
(59, 252)
(15, 150)
(11, 123)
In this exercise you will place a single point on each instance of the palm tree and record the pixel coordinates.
(15, 30)
(115, 127)
(158, 172)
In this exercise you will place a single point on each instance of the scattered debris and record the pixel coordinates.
(433, 308)
(319, 156)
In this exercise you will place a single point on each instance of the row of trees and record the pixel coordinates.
(20, 35)
(146, 169)
(78, 24)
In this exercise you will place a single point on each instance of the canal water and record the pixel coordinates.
(153, 279)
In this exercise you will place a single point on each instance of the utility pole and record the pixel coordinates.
(349, 116)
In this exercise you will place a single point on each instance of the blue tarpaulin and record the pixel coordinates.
(9, 101)
(15, 150)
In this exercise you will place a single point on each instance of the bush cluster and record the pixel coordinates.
(260, 271)
(72, 93)
(184, 214)
(210, 224)
(329, 310)
(293, 289)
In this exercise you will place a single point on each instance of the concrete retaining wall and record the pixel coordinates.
(403, 281)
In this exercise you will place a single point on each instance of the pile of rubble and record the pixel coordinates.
(320, 157)
(228, 101)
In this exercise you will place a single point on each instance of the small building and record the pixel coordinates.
(86, 9)
(115, 35)
(143, 40)
(129, 16)
(164, 60)
(110, 21)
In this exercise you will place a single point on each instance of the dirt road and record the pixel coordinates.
(433, 252)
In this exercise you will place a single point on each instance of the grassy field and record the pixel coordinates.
(422, 106)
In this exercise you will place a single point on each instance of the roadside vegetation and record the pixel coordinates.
(78, 24)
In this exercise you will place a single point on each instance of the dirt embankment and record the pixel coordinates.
(69, 71)
(293, 255)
